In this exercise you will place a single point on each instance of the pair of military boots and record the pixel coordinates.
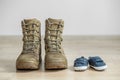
(30, 57)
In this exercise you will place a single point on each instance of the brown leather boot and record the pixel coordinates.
(30, 56)
(55, 57)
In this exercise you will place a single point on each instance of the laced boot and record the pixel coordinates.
(30, 56)
(55, 57)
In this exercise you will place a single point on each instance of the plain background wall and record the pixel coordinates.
(82, 17)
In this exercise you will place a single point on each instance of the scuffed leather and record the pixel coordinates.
(30, 56)
(55, 57)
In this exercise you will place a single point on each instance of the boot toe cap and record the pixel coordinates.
(55, 61)
(27, 62)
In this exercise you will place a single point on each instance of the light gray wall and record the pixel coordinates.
(82, 17)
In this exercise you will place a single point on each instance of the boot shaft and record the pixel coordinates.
(31, 30)
(53, 35)
(54, 27)
(31, 36)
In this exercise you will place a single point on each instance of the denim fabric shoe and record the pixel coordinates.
(97, 63)
(80, 64)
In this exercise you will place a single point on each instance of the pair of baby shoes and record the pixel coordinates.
(82, 63)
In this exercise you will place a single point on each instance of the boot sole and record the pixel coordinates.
(27, 66)
(55, 66)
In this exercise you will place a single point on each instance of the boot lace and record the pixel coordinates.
(54, 45)
(31, 37)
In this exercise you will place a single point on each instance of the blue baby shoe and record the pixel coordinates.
(81, 64)
(97, 63)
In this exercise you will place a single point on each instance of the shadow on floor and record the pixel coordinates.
(10, 66)
(71, 68)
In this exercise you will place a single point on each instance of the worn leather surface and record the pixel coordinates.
(30, 56)
(55, 57)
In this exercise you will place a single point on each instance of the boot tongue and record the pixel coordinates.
(54, 20)
(32, 21)
(27, 21)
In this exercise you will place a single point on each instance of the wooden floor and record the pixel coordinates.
(107, 47)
